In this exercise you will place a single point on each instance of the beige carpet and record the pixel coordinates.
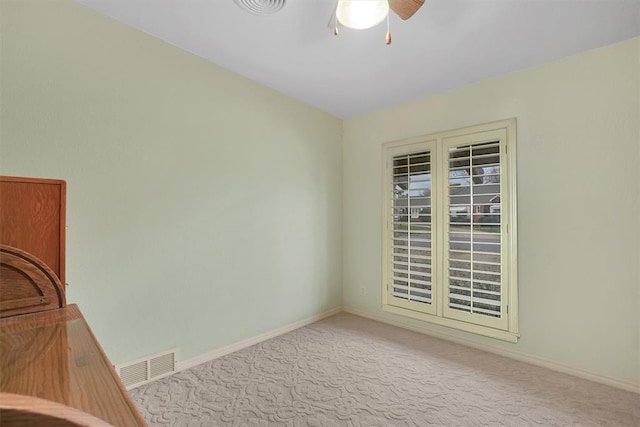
(351, 371)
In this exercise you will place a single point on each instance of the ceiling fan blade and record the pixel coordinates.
(405, 8)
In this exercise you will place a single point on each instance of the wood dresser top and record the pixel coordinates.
(54, 355)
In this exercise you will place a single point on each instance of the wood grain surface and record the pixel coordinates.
(33, 218)
(27, 285)
(54, 355)
(17, 410)
(405, 8)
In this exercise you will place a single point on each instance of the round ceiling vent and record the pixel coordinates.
(261, 7)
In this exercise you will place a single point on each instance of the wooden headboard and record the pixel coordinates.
(27, 285)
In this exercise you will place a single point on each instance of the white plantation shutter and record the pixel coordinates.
(474, 229)
(450, 231)
(411, 237)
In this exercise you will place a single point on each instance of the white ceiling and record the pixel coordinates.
(446, 44)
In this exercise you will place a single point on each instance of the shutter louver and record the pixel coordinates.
(411, 227)
(474, 238)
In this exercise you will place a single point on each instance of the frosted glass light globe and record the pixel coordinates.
(361, 14)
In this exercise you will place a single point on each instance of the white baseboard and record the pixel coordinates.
(219, 352)
(624, 384)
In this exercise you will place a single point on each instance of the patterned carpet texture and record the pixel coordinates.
(351, 371)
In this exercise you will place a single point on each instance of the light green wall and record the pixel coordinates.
(578, 198)
(203, 208)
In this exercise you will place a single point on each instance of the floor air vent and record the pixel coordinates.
(147, 369)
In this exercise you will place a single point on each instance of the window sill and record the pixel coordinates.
(455, 324)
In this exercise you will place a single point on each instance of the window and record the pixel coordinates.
(450, 229)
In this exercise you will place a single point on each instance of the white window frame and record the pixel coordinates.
(438, 312)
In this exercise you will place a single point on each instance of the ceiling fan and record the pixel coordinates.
(362, 14)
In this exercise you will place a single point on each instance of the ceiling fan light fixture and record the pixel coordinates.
(361, 14)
